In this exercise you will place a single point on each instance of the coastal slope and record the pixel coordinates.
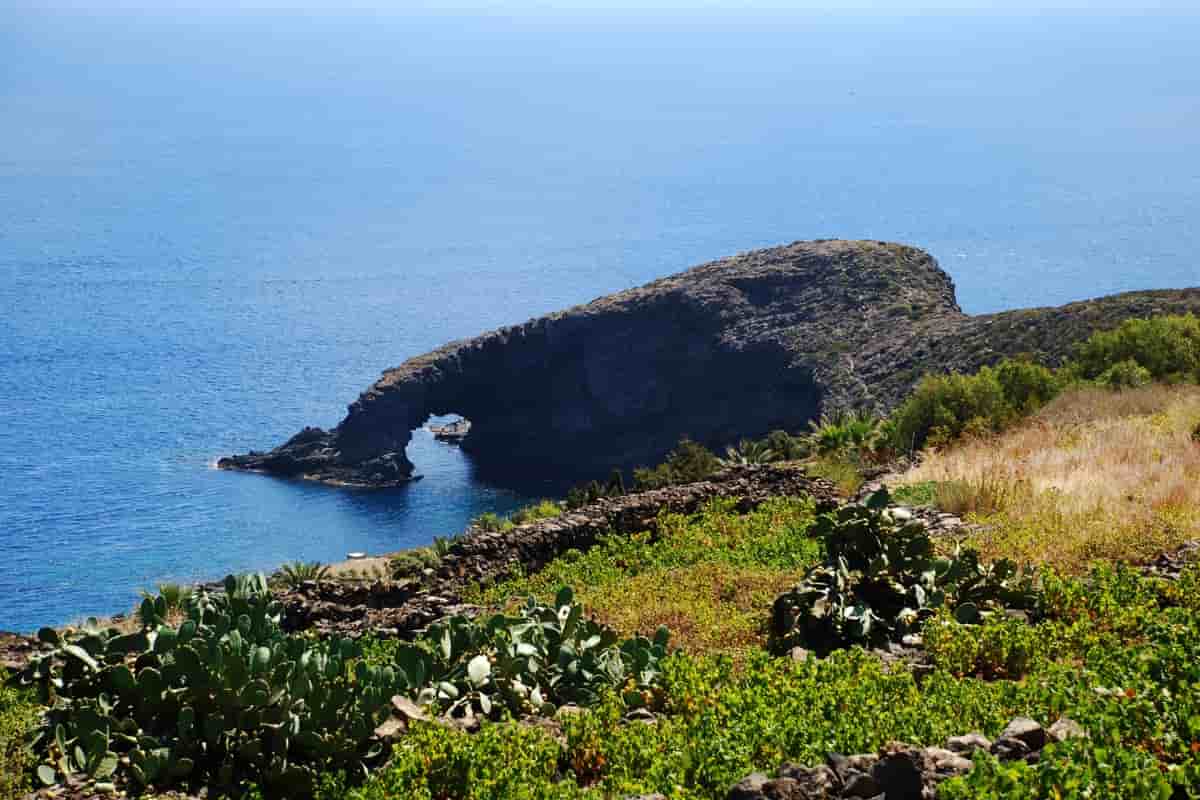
(733, 348)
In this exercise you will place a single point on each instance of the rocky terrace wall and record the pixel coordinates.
(401, 608)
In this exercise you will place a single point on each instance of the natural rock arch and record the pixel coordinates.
(729, 349)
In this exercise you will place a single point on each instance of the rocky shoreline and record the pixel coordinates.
(312, 455)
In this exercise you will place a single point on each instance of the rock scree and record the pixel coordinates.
(734, 348)
(900, 771)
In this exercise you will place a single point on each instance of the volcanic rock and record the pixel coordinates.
(734, 348)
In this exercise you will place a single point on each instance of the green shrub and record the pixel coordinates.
(441, 545)
(543, 509)
(1127, 374)
(853, 434)
(18, 716)
(500, 762)
(1184, 591)
(410, 562)
(1075, 769)
(843, 443)
(944, 407)
(590, 492)
(829, 434)
(1027, 386)
(491, 522)
(916, 494)
(1167, 347)
(687, 463)
(1001, 647)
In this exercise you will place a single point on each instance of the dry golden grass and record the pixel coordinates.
(124, 623)
(1096, 474)
(1092, 404)
(838, 471)
(370, 568)
(709, 608)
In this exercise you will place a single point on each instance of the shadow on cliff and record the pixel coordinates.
(727, 350)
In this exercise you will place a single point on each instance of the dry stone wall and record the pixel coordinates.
(401, 608)
(900, 771)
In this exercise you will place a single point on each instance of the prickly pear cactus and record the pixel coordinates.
(543, 657)
(224, 698)
(220, 699)
(882, 578)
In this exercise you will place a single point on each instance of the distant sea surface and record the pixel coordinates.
(218, 228)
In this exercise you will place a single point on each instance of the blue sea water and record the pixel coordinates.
(218, 226)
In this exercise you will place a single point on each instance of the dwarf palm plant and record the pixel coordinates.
(747, 452)
(299, 572)
(845, 432)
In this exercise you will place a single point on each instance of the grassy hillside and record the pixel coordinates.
(707, 577)
(1094, 474)
(721, 643)
(1107, 655)
(1093, 480)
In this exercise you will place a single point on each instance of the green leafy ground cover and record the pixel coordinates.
(708, 578)
(1116, 652)
(1117, 655)
(18, 713)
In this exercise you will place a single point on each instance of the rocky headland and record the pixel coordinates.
(734, 348)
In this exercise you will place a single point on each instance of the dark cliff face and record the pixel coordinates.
(729, 349)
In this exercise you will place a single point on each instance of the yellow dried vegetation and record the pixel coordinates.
(709, 608)
(1096, 474)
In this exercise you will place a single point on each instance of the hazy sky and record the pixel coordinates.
(622, 6)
